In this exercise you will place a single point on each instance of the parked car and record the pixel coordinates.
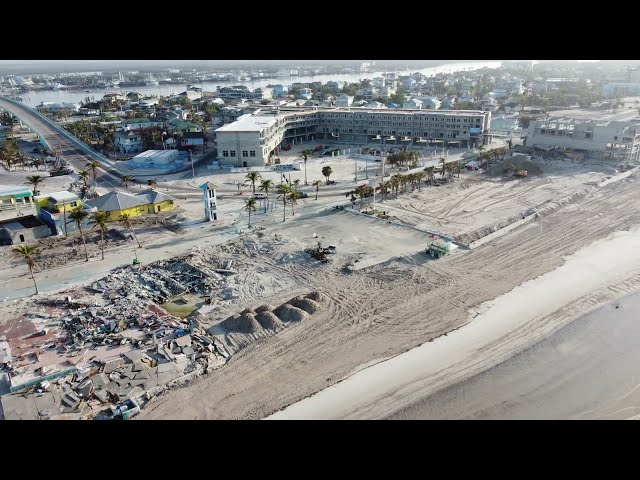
(259, 195)
(304, 195)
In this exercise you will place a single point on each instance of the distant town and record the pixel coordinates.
(155, 223)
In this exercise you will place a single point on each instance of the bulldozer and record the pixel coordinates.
(437, 249)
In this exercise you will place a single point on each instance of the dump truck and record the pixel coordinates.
(437, 249)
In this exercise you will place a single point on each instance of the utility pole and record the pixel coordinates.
(193, 171)
(382, 181)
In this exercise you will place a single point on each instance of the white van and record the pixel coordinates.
(259, 196)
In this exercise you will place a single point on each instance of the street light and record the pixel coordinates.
(193, 171)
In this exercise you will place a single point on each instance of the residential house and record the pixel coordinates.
(376, 105)
(279, 90)
(344, 100)
(54, 208)
(115, 204)
(181, 126)
(134, 96)
(22, 229)
(114, 97)
(62, 107)
(334, 86)
(412, 104)
(192, 140)
(367, 93)
(447, 104)
(128, 141)
(136, 124)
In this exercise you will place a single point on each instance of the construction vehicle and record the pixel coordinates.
(520, 173)
(437, 249)
(320, 253)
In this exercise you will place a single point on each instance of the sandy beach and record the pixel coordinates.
(508, 324)
(587, 370)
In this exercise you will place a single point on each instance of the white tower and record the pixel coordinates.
(210, 201)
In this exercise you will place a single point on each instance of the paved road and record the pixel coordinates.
(74, 152)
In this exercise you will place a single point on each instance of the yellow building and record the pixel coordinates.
(54, 208)
(115, 204)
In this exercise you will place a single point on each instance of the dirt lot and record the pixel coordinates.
(382, 311)
(471, 205)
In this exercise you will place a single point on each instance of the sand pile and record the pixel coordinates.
(289, 313)
(242, 329)
(316, 297)
(245, 323)
(306, 304)
(269, 321)
(265, 308)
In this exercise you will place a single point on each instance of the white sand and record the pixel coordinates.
(379, 390)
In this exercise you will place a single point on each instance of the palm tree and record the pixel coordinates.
(266, 186)
(317, 183)
(93, 166)
(326, 172)
(293, 197)
(28, 254)
(305, 154)
(84, 175)
(125, 220)
(429, 171)
(100, 219)
(253, 177)
(79, 216)
(126, 180)
(418, 177)
(35, 181)
(283, 191)
(296, 182)
(442, 161)
(249, 206)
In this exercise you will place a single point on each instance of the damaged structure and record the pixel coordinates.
(614, 141)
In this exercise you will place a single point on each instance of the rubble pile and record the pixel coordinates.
(84, 353)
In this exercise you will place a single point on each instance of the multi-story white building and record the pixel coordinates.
(615, 141)
(253, 139)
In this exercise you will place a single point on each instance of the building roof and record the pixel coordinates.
(132, 121)
(62, 196)
(251, 123)
(193, 135)
(28, 221)
(155, 154)
(126, 134)
(208, 186)
(116, 201)
(14, 191)
(153, 196)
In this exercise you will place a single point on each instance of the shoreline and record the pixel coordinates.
(492, 337)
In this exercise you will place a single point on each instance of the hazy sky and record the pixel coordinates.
(36, 66)
(42, 66)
